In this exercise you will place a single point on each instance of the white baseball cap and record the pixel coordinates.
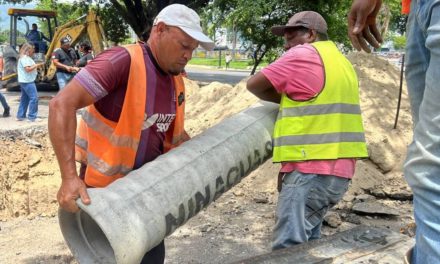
(187, 20)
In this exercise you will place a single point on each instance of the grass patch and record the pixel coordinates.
(214, 62)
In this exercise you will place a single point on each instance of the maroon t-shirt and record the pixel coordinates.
(105, 78)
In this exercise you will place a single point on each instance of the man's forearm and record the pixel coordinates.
(62, 128)
(261, 87)
(62, 66)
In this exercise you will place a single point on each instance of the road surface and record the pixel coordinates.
(208, 75)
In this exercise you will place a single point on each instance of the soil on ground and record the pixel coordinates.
(238, 225)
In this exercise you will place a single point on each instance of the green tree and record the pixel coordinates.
(399, 42)
(114, 25)
(397, 19)
(65, 11)
(4, 36)
(253, 19)
(139, 14)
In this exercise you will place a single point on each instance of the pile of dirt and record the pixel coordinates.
(237, 225)
(29, 174)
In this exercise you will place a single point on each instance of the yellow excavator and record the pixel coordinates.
(87, 27)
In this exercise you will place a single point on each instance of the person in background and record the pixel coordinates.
(136, 91)
(6, 108)
(422, 60)
(86, 54)
(64, 59)
(36, 38)
(228, 59)
(27, 72)
(319, 132)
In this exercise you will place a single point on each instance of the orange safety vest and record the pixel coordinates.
(406, 4)
(109, 148)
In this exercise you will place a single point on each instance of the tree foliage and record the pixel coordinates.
(139, 14)
(115, 28)
(399, 42)
(65, 11)
(253, 19)
(4, 36)
(397, 19)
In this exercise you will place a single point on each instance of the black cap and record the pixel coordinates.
(65, 40)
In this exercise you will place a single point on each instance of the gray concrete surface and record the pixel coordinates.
(13, 99)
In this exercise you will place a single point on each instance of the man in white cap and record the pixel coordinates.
(134, 98)
(318, 134)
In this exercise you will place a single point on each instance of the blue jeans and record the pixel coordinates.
(422, 166)
(3, 102)
(302, 204)
(29, 98)
(63, 78)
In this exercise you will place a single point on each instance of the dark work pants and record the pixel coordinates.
(156, 255)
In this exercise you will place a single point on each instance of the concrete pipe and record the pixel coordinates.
(134, 214)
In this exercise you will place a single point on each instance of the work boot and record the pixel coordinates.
(408, 256)
(6, 112)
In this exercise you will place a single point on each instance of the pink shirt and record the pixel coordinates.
(299, 73)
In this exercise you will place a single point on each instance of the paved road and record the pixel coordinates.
(208, 75)
(13, 99)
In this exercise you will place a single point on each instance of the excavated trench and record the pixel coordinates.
(29, 174)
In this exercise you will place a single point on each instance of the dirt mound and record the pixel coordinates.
(208, 105)
(29, 175)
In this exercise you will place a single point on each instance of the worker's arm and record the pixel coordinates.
(261, 87)
(59, 65)
(33, 67)
(62, 129)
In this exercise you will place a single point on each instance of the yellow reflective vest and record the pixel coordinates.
(328, 126)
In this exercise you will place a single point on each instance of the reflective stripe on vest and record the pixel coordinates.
(328, 126)
(109, 148)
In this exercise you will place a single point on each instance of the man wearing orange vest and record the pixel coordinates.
(134, 98)
(422, 60)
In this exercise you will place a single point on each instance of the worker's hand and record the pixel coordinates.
(70, 190)
(362, 26)
(76, 69)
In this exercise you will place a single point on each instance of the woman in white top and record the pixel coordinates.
(27, 72)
